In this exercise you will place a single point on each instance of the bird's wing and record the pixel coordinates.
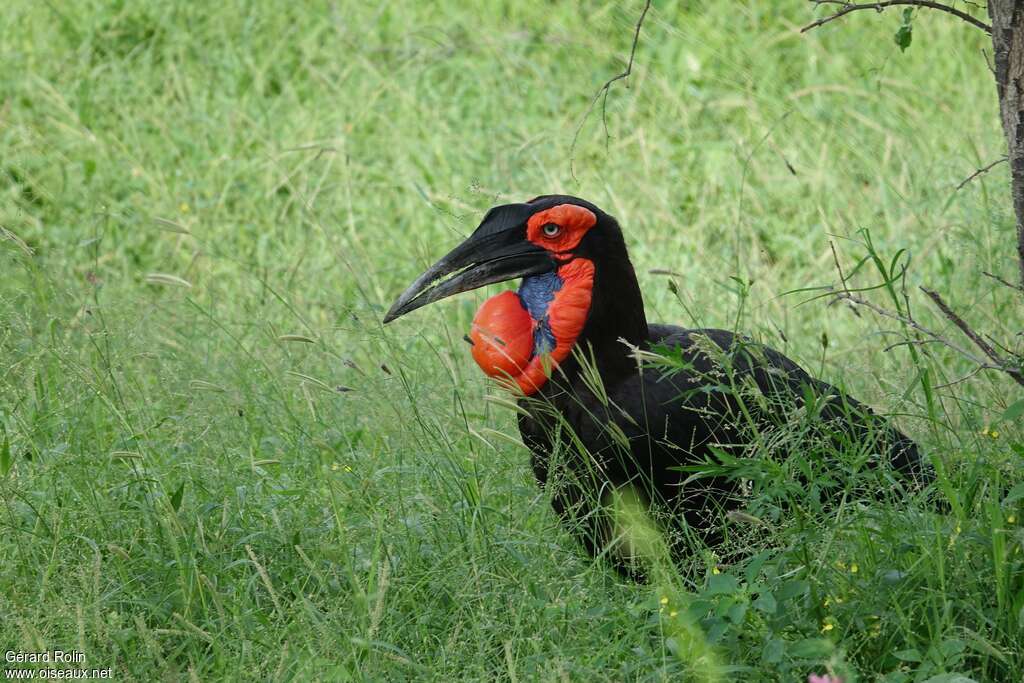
(738, 382)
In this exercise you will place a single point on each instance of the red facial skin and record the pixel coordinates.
(573, 221)
(502, 331)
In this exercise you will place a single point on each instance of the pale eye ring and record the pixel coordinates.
(551, 229)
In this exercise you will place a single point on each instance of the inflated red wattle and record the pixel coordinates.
(502, 335)
(502, 331)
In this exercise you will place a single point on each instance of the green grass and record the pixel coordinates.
(187, 494)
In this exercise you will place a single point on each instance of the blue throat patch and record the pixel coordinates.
(536, 294)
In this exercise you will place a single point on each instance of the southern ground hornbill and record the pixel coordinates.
(608, 401)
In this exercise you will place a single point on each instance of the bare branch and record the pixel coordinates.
(988, 62)
(603, 90)
(1004, 282)
(1013, 371)
(910, 322)
(1011, 365)
(966, 377)
(835, 259)
(922, 342)
(848, 7)
(981, 171)
(1003, 347)
(842, 277)
(964, 327)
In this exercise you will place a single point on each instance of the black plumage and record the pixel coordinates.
(612, 415)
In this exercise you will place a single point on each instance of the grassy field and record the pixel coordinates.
(217, 464)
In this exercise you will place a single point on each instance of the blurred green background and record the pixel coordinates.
(216, 463)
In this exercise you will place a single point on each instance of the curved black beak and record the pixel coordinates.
(486, 257)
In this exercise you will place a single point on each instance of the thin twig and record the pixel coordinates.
(981, 171)
(966, 377)
(603, 90)
(1002, 347)
(848, 7)
(835, 258)
(1002, 281)
(1010, 366)
(910, 322)
(922, 342)
(988, 62)
(842, 277)
(985, 347)
(1015, 372)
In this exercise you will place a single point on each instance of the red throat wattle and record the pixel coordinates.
(503, 331)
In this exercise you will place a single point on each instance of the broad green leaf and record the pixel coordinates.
(911, 655)
(791, 589)
(176, 497)
(903, 37)
(766, 603)
(773, 651)
(754, 566)
(1014, 494)
(905, 34)
(722, 584)
(1014, 411)
(811, 648)
(950, 678)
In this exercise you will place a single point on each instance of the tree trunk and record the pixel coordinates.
(1008, 47)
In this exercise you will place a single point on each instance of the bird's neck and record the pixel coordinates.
(597, 311)
(616, 318)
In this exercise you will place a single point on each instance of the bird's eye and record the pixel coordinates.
(551, 230)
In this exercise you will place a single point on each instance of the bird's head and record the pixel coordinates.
(559, 245)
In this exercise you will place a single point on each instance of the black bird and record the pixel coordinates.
(597, 413)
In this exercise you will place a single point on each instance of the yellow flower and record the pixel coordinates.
(854, 568)
(334, 467)
(673, 613)
(827, 626)
(716, 571)
(663, 600)
(184, 208)
(994, 434)
(1011, 519)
